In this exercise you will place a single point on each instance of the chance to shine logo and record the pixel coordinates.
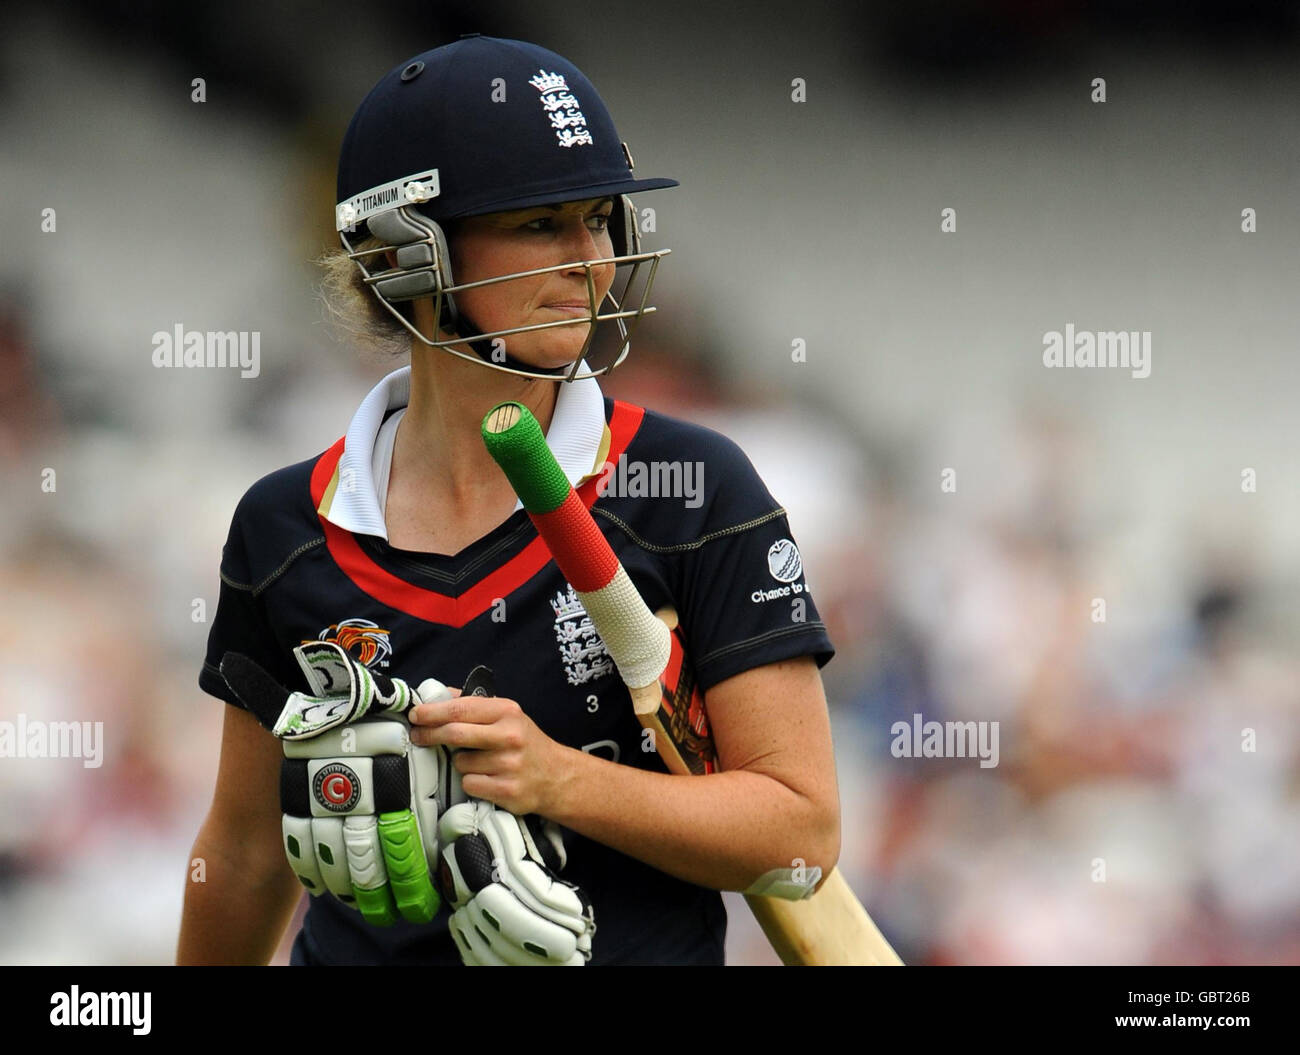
(784, 562)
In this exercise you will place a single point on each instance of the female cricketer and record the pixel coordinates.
(483, 210)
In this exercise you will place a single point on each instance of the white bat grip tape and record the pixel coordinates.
(637, 641)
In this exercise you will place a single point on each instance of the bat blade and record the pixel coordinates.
(673, 707)
(830, 926)
(829, 929)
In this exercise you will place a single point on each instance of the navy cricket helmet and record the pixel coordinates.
(479, 126)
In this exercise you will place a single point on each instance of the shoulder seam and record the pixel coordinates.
(683, 547)
(261, 586)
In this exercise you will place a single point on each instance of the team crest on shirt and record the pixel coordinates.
(365, 641)
(581, 650)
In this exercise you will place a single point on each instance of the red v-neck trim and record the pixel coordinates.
(430, 605)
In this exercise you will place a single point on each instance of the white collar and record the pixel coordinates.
(576, 438)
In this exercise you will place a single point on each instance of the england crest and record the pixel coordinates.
(581, 650)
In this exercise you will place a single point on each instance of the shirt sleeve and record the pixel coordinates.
(744, 598)
(241, 622)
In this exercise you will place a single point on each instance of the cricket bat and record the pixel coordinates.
(830, 927)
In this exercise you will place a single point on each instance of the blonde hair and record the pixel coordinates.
(354, 309)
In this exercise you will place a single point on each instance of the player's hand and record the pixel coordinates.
(360, 801)
(499, 752)
(499, 873)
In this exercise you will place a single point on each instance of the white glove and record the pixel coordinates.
(499, 872)
(360, 802)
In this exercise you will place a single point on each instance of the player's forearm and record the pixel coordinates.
(721, 831)
(238, 912)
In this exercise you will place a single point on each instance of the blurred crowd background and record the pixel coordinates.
(1121, 741)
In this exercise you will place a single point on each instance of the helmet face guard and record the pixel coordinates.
(480, 126)
(423, 269)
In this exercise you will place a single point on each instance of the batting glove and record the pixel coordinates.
(360, 801)
(499, 872)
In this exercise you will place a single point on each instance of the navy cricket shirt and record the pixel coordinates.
(307, 559)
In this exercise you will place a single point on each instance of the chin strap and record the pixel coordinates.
(484, 350)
